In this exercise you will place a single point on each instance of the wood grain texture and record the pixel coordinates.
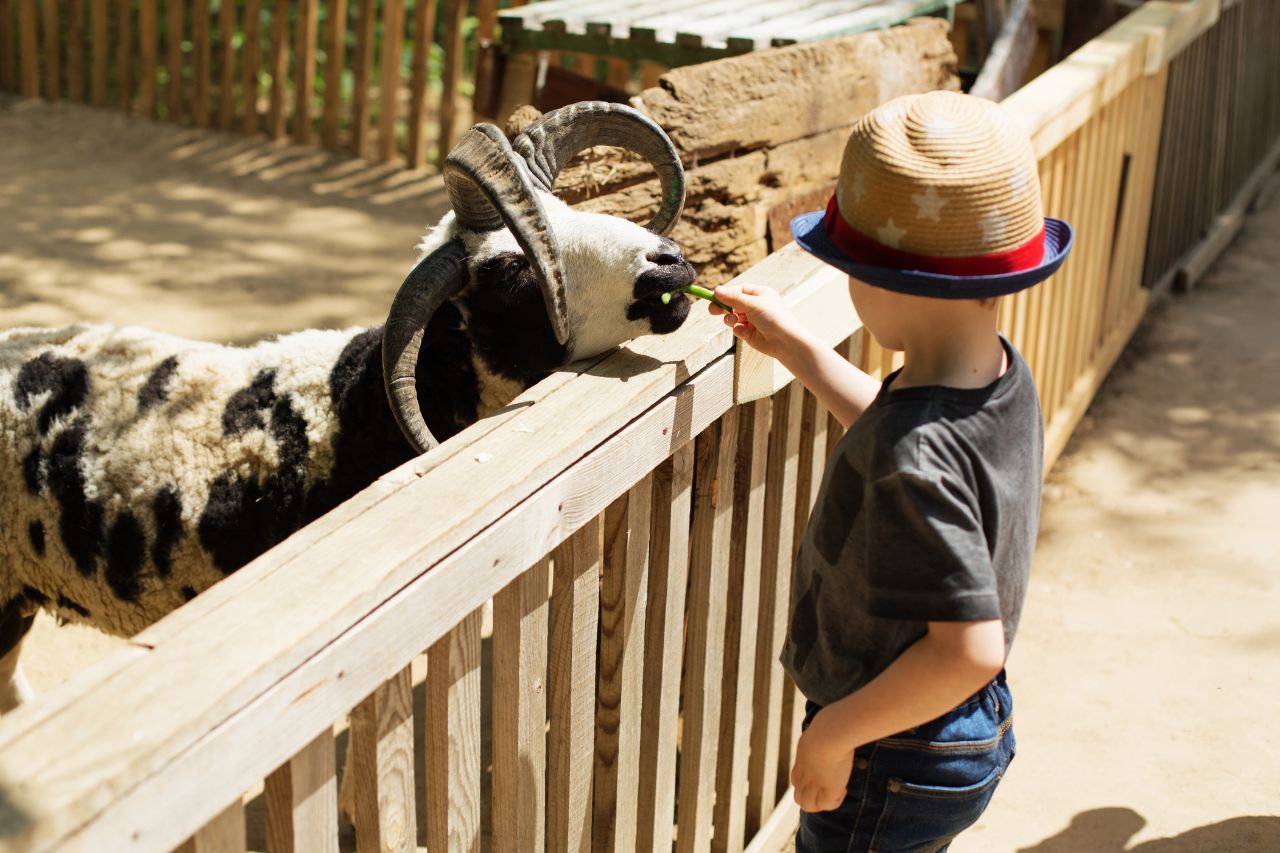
(223, 834)
(664, 649)
(520, 637)
(575, 602)
(453, 739)
(715, 453)
(381, 746)
(302, 801)
(624, 590)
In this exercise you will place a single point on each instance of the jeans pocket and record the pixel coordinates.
(918, 818)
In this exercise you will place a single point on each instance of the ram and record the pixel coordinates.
(137, 469)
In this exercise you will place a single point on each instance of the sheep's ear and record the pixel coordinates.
(490, 186)
(434, 279)
(552, 141)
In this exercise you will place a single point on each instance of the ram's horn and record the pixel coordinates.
(436, 278)
(489, 186)
(551, 142)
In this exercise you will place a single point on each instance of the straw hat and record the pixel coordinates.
(938, 195)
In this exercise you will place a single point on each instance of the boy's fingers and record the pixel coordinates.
(736, 295)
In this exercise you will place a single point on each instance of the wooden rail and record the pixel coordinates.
(633, 522)
(353, 74)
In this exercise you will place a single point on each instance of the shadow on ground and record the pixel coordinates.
(1109, 830)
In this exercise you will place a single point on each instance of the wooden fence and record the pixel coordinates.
(328, 72)
(633, 522)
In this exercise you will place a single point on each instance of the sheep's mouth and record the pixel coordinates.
(651, 286)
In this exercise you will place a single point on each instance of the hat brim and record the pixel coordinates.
(813, 238)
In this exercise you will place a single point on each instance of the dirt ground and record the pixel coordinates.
(1145, 671)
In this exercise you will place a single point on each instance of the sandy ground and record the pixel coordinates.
(1145, 671)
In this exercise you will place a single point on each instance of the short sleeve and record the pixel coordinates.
(927, 557)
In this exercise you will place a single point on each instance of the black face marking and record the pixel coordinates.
(156, 389)
(188, 593)
(14, 625)
(66, 380)
(65, 603)
(35, 534)
(244, 409)
(33, 471)
(167, 509)
(80, 522)
(448, 388)
(509, 325)
(34, 596)
(126, 546)
(672, 272)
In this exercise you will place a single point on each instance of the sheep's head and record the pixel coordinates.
(601, 277)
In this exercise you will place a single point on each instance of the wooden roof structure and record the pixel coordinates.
(678, 32)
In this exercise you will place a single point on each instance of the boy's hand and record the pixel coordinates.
(820, 774)
(759, 317)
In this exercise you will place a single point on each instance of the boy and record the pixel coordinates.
(911, 575)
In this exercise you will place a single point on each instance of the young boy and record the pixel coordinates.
(913, 568)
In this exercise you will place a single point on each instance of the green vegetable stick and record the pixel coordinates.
(701, 293)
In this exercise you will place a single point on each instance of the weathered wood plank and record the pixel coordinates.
(279, 59)
(382, 764)
(741, 623)
(302, 801)
(223, 834)
(451, 77)
(664, 641)
(334, 62)
(389, 77)
(424, 23)
(304, 69)
(1010, 56)
(365, 24)
(251, 64)
(453, 740)
(574, 614)
(623, 601)
(715, 453)
(520, 637)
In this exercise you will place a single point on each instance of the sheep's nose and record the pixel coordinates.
(667, 254)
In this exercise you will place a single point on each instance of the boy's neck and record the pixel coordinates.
(967, 355)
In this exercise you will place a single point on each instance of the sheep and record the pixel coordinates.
(138, 468)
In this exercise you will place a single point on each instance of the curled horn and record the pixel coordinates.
(552, 141)
(436, 278)
(489, 186)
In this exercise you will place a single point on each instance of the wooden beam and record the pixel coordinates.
(1010, 56)
(304, 69)
(382, 764)
(453, 740)
(302, 801)
(334, 62)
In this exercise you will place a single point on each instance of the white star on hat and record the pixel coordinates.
(890, 234)
(929, 204)
(859, 187)
(993, 227)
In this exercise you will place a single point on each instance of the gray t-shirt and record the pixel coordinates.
(927, 513)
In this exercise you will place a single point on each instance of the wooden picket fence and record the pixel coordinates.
(329, 72)
(633, 522)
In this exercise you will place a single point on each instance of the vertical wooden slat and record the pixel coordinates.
(486, 12)
(29, 48)
(365, 21)
(223, 834)
(201, 57)
(304, 70)
(98, 34)
(52, 50)
(334, 62)
(575, 599)
(124, 54)
(741, 623)
(624, 591)
(389, 77)
(619, 73)
(455, 12)
(251, 64)
(147, 57)
(775, 590)
(173, 57)
(715, 451)
(8, 48)
(664, 650)
(424, 23)
(227, 75)
(382, 764)
(279, 60)
(520, 617)
(649, 74)
(302, 801)
(453, 740)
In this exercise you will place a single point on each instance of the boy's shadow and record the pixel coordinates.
(1109, 830)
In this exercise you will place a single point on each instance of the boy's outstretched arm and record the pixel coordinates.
(935, 674)
(762, 319)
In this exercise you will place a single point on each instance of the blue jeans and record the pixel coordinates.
(917, 790)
